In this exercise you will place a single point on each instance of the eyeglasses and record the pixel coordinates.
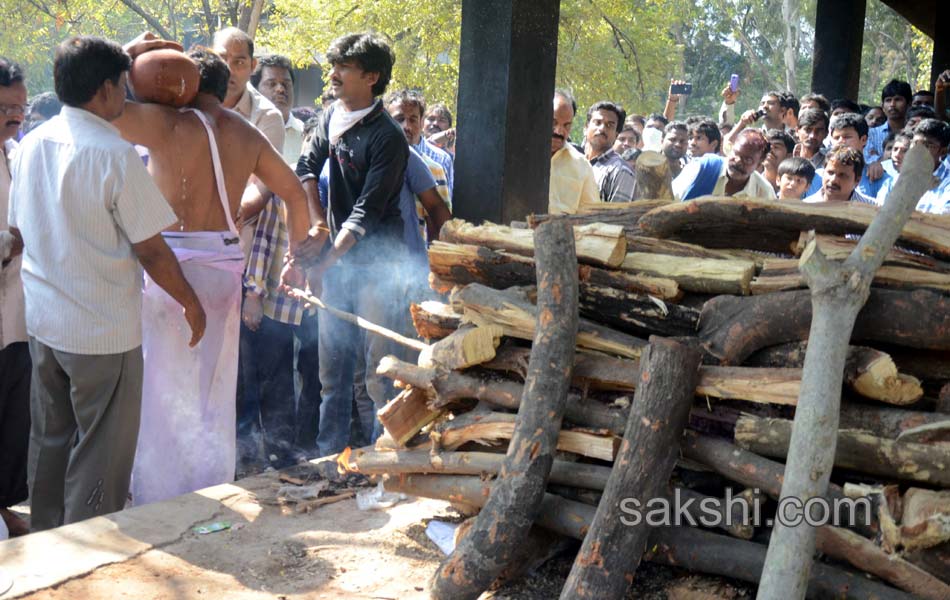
(12, 109)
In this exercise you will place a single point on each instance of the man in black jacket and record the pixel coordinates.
(368, 154)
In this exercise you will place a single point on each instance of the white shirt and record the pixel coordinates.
(81, 197)
(573, 185)
(262, 113)
(293, 140)
(12, 319)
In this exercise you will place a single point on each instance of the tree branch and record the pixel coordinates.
(149, 19)
(838, 292)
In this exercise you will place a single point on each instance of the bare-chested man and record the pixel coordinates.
(201, 158)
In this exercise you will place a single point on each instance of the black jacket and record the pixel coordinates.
(365, 180)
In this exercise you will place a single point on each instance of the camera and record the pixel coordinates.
(760, 113)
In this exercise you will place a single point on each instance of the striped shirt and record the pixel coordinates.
(874, 149)
(262, 277)
(614, 177)
(440, 156)
(81, 197)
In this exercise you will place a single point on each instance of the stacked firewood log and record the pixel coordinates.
(688, 326)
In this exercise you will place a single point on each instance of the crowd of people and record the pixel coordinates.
(150, 341)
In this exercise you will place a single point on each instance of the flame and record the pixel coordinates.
(343, 464)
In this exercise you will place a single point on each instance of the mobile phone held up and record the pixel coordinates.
(734, 83)
(682, 89)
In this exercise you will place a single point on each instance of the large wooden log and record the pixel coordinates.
(837, 247)
(461, 264)
(702, 275)
(779, 275)
(887, 423)
(869, 372)
(636, 314)
(488, 428)
(732, 328)
(512, 310)
(776, 226)
(654, 178)
(517, 494)
(610, 554)
(447, 387)
(592, 370)
(856, 450)
(649, 245)
(597, 243)
(625, 214)
(684, 547)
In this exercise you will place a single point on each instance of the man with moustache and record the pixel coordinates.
(895, 100)
(274, 78)
(735, 175)
(675, 144)
(572, 183)
(812, 131)
(614, 177)
(840, 177)
(438, 127)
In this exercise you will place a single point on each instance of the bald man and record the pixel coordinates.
(735, 175)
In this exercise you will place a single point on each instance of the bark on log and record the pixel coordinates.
(887, 423)
(625, 214)
(597, 244)
(856, 450)
(574, 474)
(649, 245)
(517, 494)
(732, 328)
(461, 264)
(447, 387)
(779, 275)
(591, 370)
(514, 312)
(838, 248)
(935, 561)
(636, 314)
(654, 179)
(869, 372)
(610, 554)
(684, 547)
(702, 275)
(776, 226)
(434, 320)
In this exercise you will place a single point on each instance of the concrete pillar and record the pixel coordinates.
(507, 64)
(838, 37)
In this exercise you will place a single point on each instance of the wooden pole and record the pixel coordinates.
(516, 495)
(838, 293)
(610, 554)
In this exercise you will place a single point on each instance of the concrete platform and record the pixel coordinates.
(153, 552)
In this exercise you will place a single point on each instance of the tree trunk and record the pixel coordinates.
(856, 450)
(517, 494)
(610, 554)
(775, 226)
(732, 328)
(654, 180)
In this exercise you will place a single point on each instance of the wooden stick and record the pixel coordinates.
(515, 500)
(359, 321)
(610, 554)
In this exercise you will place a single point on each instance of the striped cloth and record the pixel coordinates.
(262, 277)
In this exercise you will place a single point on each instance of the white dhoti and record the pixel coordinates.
(187, 434)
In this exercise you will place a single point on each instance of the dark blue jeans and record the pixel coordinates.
(368, 291)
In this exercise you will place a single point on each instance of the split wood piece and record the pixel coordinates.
(405, 415)
(772, 386)
(928, 433)
(465, 347)
(732, 328)
(683, 547)
(886, 505)
(779, 275)
(774, 226)
(625, 214)
(654, 179)
(856, 450)
(757, 472)
(434, 320)
(596, 243)
(869, 372)
(925, 521)
(650, 245)
(636, 314)
(446, 387)
(512, 310)
(517, 494)
(489, 428)
(592, 370)
(703, 275)
(574, 474)
(611, 552)
(461, 264)
(836, 247)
